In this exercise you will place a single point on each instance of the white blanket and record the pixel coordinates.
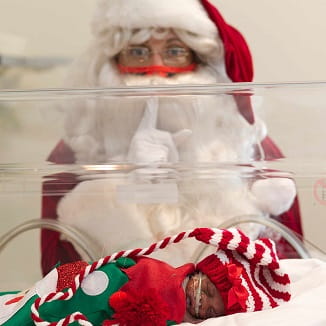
(307, 306)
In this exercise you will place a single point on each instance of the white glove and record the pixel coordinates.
(274, 195)
(151, 145)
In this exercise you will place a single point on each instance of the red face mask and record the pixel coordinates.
(163, 71)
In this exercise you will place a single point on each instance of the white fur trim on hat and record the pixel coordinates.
(182, 14)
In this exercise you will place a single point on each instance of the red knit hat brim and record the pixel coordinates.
(226, 278)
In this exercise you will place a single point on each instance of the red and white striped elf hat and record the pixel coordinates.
(247, 273)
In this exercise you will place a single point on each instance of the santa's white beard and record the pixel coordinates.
(101, 130)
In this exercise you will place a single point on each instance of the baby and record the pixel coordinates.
(203, 299)
(129, 289)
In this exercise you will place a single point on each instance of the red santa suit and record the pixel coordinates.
(84, 141)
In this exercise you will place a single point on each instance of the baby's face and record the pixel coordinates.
(210, 303)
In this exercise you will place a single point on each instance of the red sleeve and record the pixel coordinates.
(54, 250)
(291, 218)
(271, 151)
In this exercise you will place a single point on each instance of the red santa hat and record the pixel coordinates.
(196, 16)
(237, 57)
(246, 273)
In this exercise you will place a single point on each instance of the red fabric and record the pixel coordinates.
(237, 57)
(291, 218)
(139, 308)
(227, 280)
(54, 250)
(238, 60)
(244, 106)
(238, 293)
(62, 154)
(203, 234)
(67, 274)
(271, 151)
(14, 300)
(151, 274)
(108, 322)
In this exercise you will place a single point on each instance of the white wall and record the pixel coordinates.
(286, 37)
(45, 27)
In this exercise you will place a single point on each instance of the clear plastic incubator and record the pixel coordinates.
(68, 175)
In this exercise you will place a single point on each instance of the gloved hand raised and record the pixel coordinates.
(151, 145)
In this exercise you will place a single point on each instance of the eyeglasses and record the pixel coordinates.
(174, 56)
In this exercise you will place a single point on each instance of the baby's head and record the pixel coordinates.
(242, 276)
(203, 299)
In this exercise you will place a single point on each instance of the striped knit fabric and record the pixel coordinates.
(261, 276)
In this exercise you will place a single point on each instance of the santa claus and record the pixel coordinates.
(146, 43)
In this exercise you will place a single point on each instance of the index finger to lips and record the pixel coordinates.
(149, 119)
